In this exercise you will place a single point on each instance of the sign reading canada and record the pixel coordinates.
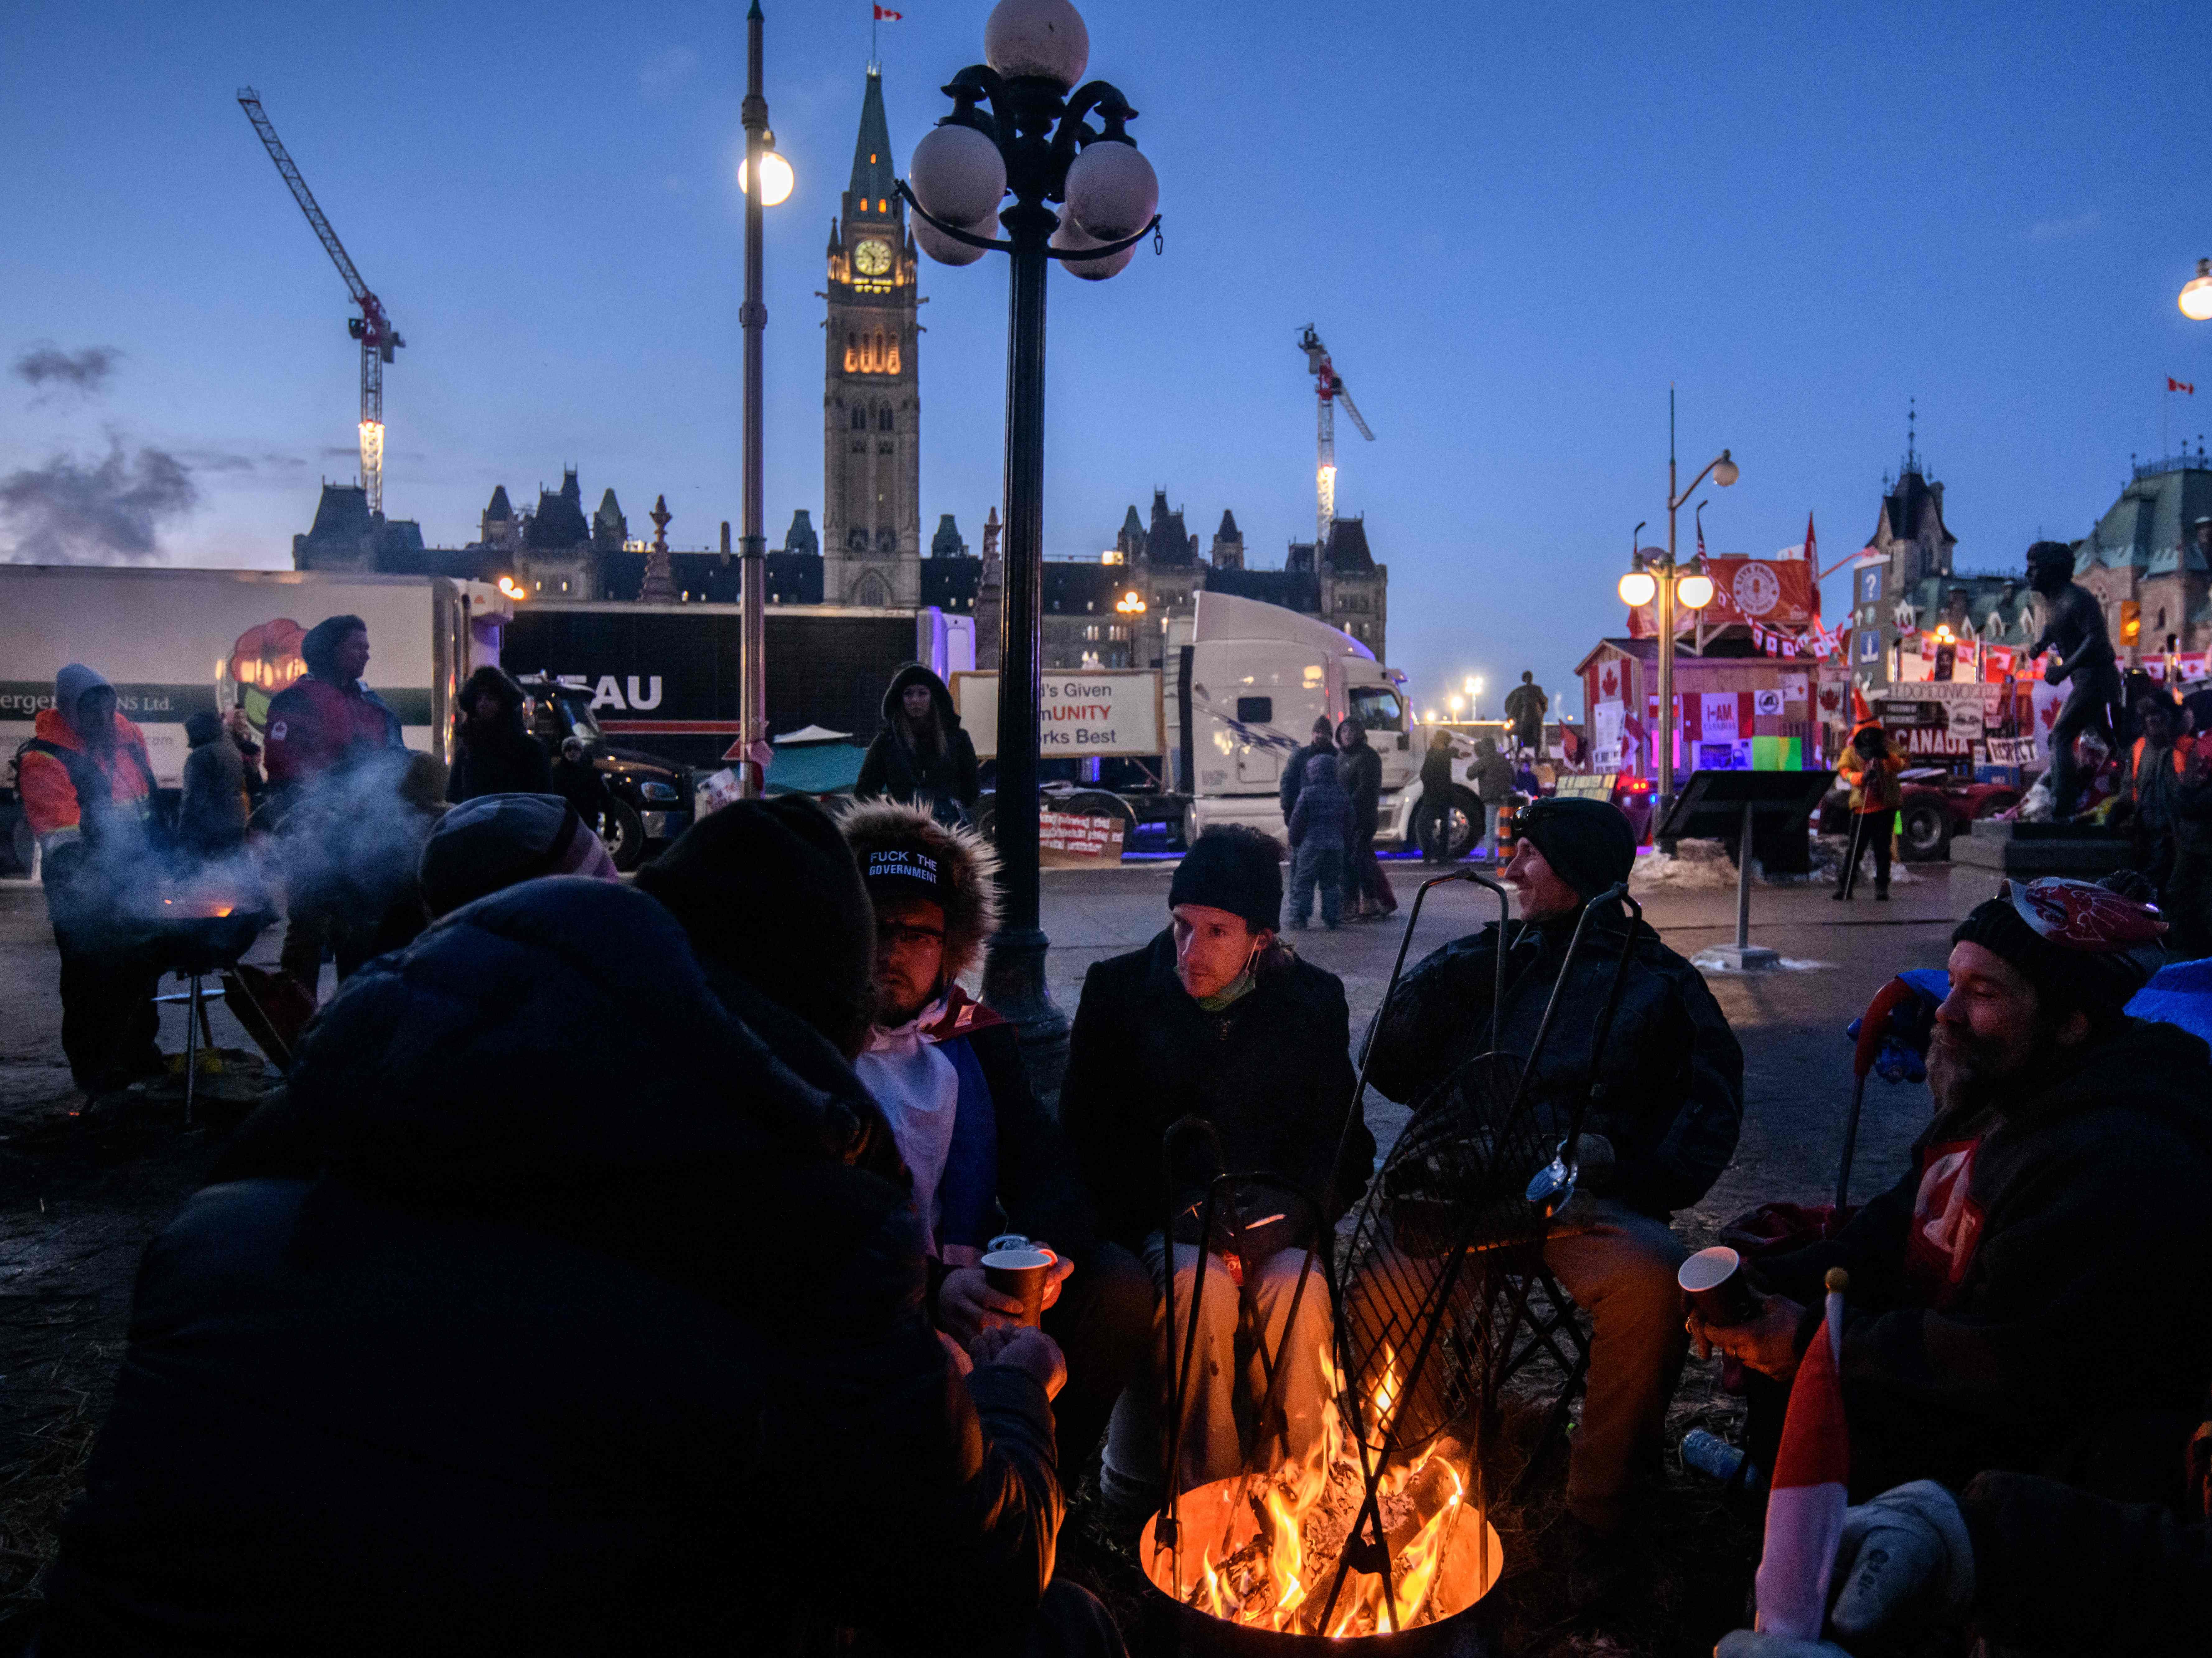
(1080, 712)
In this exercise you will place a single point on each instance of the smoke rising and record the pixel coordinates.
(69, 513)
(85, 371)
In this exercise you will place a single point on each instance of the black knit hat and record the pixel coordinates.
(499, 841)
(2085, 953)
(1590, 844)
(1234, 868)
(769, 888)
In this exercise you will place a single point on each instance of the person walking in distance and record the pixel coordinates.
(1432, 827)
(1321, 824)
(1492, 774)
(1367, 891)
(1294, 768)
(922, 756)
(1869, 769)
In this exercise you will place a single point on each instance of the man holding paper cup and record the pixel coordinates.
(1008, 1222)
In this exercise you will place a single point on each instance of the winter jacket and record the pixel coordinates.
(1360, 768)
(1873, 784)
(1272, 1072)
(1437, 775)
(212, 806)
(317, 723)
(589, 1339)
(506, 760)
(68, 795)
(1294, 774)
(2057, 1570)
(2037, 1269)
(946, 781)
(1491, 774)
(1672, 1070)
(1321, 819)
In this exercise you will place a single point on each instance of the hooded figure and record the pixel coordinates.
(492, 753)
(212, 806)
(922, 756)
(984, 1156)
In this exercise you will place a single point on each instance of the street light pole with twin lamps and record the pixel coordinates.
(1036, 142)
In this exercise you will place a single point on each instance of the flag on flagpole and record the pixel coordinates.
(2174, 385)
(1812, 1481)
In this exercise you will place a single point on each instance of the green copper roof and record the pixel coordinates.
(874, 179)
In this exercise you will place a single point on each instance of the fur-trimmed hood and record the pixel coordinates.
(968, 871)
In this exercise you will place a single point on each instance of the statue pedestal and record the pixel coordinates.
(1995, 852)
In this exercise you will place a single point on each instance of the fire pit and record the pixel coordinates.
(192, 929)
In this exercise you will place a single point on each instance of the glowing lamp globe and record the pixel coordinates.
(1695, 591)
(1725, 472)
(943, 249)
(1637, 589)
(2196, 294)
(1112, 191)
(777, 178)
(1071, 238)
(957, 174)
(1041, 38)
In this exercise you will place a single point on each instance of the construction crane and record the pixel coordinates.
(1329, 390)
(379, 339)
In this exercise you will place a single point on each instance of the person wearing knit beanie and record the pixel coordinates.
(1232, 868)
(769, 889)
(2079, 943)
(1589, 844)
(500, 840)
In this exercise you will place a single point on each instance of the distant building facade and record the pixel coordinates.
(2149, 559)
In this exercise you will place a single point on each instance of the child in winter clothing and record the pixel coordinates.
(1321, 827)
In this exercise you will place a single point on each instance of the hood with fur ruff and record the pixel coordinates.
(967, 869)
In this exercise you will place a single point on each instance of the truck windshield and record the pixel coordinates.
(1377, 707)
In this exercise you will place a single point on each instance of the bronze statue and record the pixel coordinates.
(2073, 625)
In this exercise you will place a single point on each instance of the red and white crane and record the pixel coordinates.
(1330, 389)
(379, 339)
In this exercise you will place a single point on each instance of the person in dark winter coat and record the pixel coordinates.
(579, 782)
(2058, 1193)
(1664, 1129)
(498, 840)
(591, 1339)
(493, 752)
(2029, 1564)
(1432, 824)
(1294, 768)
(1367, 894)
(1320, 828)
(985, 1157)
(1214, 1019)
(922, 756)
(211, 804)
(1492, 774)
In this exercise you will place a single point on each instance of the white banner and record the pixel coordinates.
(1083, 712)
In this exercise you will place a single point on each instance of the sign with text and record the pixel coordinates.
(1067, 838)
(1081, 713)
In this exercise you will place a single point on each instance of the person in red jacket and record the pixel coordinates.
(327, 719)
(88, 789)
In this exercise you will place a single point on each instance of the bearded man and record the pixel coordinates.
(2033, 1294)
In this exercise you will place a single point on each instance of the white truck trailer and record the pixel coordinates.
(176, 641)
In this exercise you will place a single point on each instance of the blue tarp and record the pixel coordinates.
(814, 768)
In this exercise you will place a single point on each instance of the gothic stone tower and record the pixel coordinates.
(871, 400)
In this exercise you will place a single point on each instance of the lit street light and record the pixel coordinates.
(1034, 142)
(2196, 294)
(1454, 702)
(1670, 585)
(766, 178)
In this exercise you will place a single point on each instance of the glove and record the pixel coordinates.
(1902, 1057)
(1905, 1562)
(1749, 1644)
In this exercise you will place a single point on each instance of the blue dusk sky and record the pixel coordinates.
(1515, 227)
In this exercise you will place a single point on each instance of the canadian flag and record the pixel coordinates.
(1812, 1478)
(886, 15)
(2174, 385)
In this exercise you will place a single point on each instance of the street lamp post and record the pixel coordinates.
(1695, 591)
(766, 179)
(1034, 143)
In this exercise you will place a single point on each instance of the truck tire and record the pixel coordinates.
(1465, 823)
(624, 831)
(1924, 833)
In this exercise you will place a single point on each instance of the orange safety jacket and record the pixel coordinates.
(68, 793)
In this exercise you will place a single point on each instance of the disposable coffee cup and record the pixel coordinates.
(1715, 1281)
(1020, 1273)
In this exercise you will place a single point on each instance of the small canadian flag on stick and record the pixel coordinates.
(2174, 385)
(1812, 1482)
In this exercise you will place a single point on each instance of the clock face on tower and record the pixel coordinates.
(871, 258)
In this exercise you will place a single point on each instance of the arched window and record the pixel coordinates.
(871, 590)
(886, 541)
(891, 358)
(852, 352)
(856, 541)
(859, 419)
(884, 421)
